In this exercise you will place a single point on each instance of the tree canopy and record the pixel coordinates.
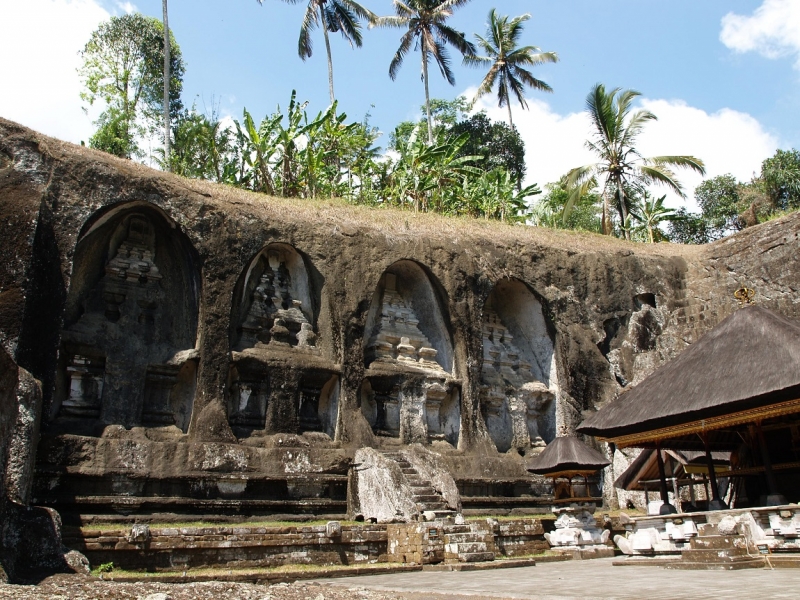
(123, 67)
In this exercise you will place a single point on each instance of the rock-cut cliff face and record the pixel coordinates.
(200, 346)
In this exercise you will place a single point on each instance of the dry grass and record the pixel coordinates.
(392, 223)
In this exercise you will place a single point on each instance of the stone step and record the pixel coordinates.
(476, 557)
(465, 548)
(743, 563)
(452, 529)
(445, 513)
(433, 506)
(427, 498)
(716, 555)
(467, 537)
(706, 529)
(424, 490)
(713, 542)
(409, 471)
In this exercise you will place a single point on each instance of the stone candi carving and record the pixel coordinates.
(128, 326)
(418, 403)
(513, 401)
(398, 337)
(275, 317)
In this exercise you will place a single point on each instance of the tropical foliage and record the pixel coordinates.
(622, 171)
(428, 32)
(123, 68)
(466, 165)
(507, 61)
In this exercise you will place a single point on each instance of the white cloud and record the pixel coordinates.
(773, 30)
(727, 141)
(128, 8)
(40, 41)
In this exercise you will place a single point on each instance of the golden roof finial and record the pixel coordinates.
(745, 296)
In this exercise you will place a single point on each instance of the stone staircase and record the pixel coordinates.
(425, 497)
(467, 543)
(712, 550)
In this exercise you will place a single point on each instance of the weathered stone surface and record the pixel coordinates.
(433, 470)
(22, 445)
(378, 491)
(171, 269)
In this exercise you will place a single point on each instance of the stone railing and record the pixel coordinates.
(163, 548)
(176, 548)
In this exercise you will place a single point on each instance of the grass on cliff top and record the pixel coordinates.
(342, 216)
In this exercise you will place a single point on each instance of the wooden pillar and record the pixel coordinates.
(774, 498)
(666, 507)
(716, 502)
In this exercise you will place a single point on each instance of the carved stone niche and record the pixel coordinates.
(280, 382)
(408, 392)
(265, 400)
(274, 310)
(518, 376)
(412, 408)
(127, 354)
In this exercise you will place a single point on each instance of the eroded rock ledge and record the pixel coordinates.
(205, 348)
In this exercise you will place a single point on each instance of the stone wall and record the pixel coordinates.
(238, 547)
(208, 345)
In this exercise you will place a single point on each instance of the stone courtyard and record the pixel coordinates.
(572, 580)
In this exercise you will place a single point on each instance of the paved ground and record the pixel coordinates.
(589, 579)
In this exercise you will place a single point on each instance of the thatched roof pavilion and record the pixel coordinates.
(745, 369)
(565, 458)
(739, 380)
(567, 455)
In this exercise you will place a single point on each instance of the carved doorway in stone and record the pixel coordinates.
(128, 352)
(519, 383)
(409, 392)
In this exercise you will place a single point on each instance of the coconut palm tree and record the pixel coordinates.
(427, 31)
(166, 85)
(621, 168)
(335, 16)
(507, 61)
(650, 211)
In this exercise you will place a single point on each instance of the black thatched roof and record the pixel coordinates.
(566, 454)
(751, 359)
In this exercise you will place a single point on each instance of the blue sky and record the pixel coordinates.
(721, 75)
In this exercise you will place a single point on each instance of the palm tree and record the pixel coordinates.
(334, 15)
(650, 212)
(621, 168)
(427, 30)
(166, 85)
(507, 61)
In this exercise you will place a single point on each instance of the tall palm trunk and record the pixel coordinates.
(166, 86)
(510, 122)
(427, 93)
(328, 48)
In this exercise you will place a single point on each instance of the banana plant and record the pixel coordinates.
(258, 145)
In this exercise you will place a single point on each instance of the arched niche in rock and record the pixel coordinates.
(409, 391)
(273, 302)
(279, 382)
(128, 352)
(519, 381)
